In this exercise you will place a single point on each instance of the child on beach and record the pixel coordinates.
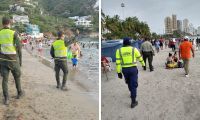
(175, 57)
(74, 61)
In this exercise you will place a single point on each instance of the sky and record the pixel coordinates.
(153, 12)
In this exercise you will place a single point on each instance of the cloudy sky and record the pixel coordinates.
(154, 11)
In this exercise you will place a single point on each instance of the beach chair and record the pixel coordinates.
(110, 63)
(106, 65)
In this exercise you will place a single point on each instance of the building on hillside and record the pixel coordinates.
(31, 3)
(20, 19)
(74, 18)
(84, 23)
(33, 30)
(16, 8)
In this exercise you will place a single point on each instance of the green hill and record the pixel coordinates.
(55, 12)
(68, 8)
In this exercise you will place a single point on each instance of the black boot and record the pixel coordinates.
(152, 69)
(144, 68)
(64, 88)
(20, 94)
(6, 100)
(133, 103)
(58, 84)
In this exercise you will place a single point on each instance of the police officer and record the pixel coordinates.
(126, 58)
(59, 53)
(10, 58)
(147, 52)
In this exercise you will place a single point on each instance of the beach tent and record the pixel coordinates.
(108, 48)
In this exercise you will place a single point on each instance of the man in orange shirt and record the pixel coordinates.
(185, 54)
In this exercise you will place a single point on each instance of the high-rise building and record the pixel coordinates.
(168, 25)
(191, 29)
(186, 25)
(179, 25)
(174, 22)
(195, 31)
(198, 30)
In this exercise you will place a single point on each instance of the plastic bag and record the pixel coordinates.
(69, 54)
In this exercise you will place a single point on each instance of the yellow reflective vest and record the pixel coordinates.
(127, 57)
(60, 50)
(7, 42)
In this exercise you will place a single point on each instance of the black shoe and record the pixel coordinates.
(134, 104)
(58, 86)
(6, 101)
(151, 70)
(144, 68)
(20, 94)
(64, 88)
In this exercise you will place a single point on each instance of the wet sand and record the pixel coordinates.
(43, 101)
(162, 95)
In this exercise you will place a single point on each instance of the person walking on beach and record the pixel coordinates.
(10, 58)
(59, 53)
(40, 48)
(173, 44)
(76, 52)
(126, 63)
(147, 52)
(161, 43)
(185, 54)
(157, 45)
(166, 44)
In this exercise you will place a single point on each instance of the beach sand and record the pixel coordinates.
(162, 95)
(43, 101)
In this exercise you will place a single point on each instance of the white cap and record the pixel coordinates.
(186, 37)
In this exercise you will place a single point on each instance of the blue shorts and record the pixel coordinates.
(74, 61)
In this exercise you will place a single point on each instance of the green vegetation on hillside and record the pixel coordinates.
(67, 8)
(54, 15)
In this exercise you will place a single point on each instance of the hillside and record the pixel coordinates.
(51, 15)
(67, 8)
(64, 8)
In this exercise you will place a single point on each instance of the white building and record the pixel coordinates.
(83, 22)
(174, 22)
(20, 19)
(186, 25)
(168, 25)
(74, 18)
(16, 8)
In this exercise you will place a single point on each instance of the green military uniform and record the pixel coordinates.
(10, 59)
(59, 53)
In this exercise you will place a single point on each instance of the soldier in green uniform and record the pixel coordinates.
(10, 58)
(59, 53)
